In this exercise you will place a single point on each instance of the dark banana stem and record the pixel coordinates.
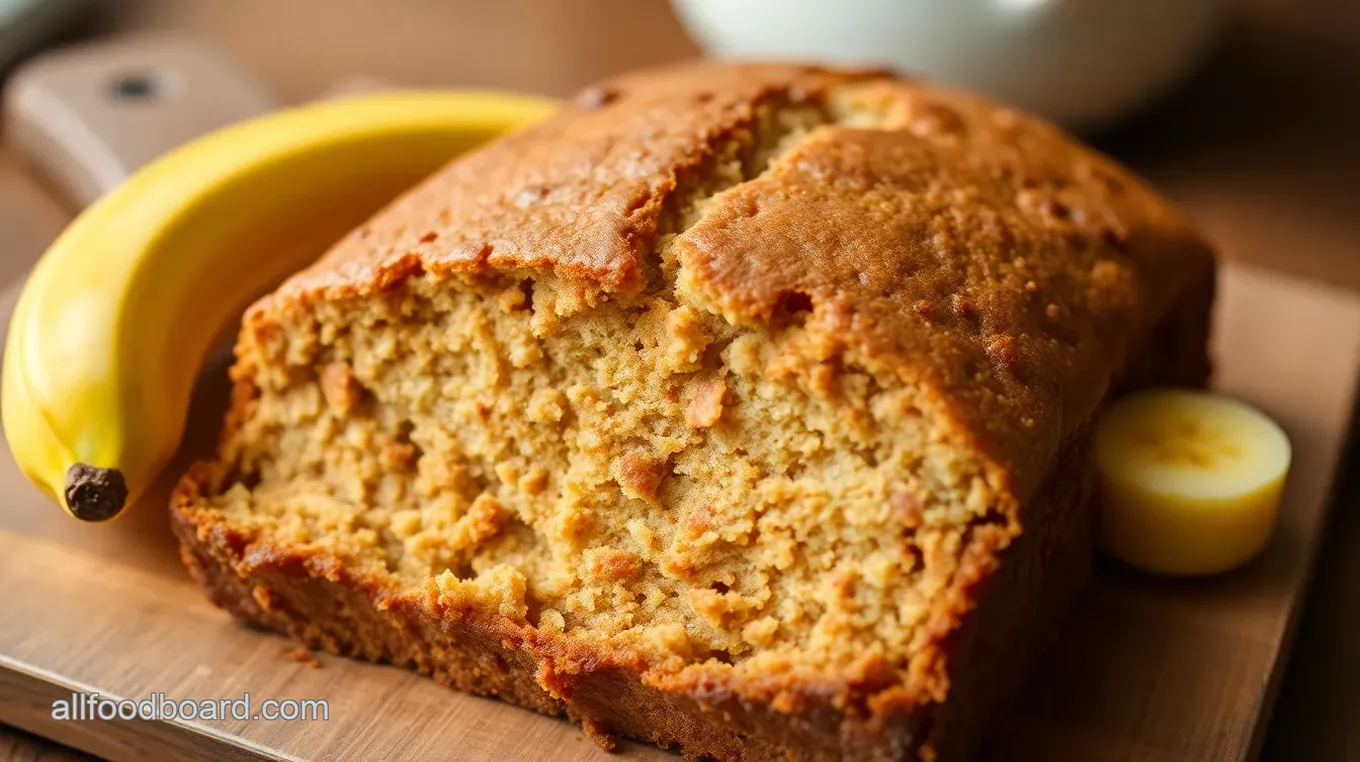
(95, 494)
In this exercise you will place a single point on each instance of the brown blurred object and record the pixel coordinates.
(1262, 148)
(87, 117)
(18, 746)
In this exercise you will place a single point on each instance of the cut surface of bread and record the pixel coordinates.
(731, 383)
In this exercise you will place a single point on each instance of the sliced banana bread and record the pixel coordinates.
(741, 408)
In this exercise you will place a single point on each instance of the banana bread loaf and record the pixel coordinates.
(740, 408)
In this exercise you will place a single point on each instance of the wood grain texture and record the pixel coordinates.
(1166, 671)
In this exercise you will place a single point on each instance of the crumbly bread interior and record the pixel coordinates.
(630, 468)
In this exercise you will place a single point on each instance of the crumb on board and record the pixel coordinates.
(302, 656)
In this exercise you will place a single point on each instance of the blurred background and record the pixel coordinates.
(1246, 112)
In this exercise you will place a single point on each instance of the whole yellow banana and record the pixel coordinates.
(117, 317)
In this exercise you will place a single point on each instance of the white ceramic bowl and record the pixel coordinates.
(1083, 63)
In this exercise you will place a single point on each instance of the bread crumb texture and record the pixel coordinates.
(739, 378)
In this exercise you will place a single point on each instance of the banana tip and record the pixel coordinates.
(95, 494)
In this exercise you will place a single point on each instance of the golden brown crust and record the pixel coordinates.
(996, 262)
(581, 195)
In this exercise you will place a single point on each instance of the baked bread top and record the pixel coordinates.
(976, 253)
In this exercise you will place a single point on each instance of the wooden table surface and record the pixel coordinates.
(1262, 148)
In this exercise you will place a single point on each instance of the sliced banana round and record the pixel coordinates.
(1190, 480)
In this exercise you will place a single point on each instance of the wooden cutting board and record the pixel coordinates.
(1162, 671)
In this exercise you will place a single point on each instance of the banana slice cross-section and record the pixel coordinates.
(1190, 480)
